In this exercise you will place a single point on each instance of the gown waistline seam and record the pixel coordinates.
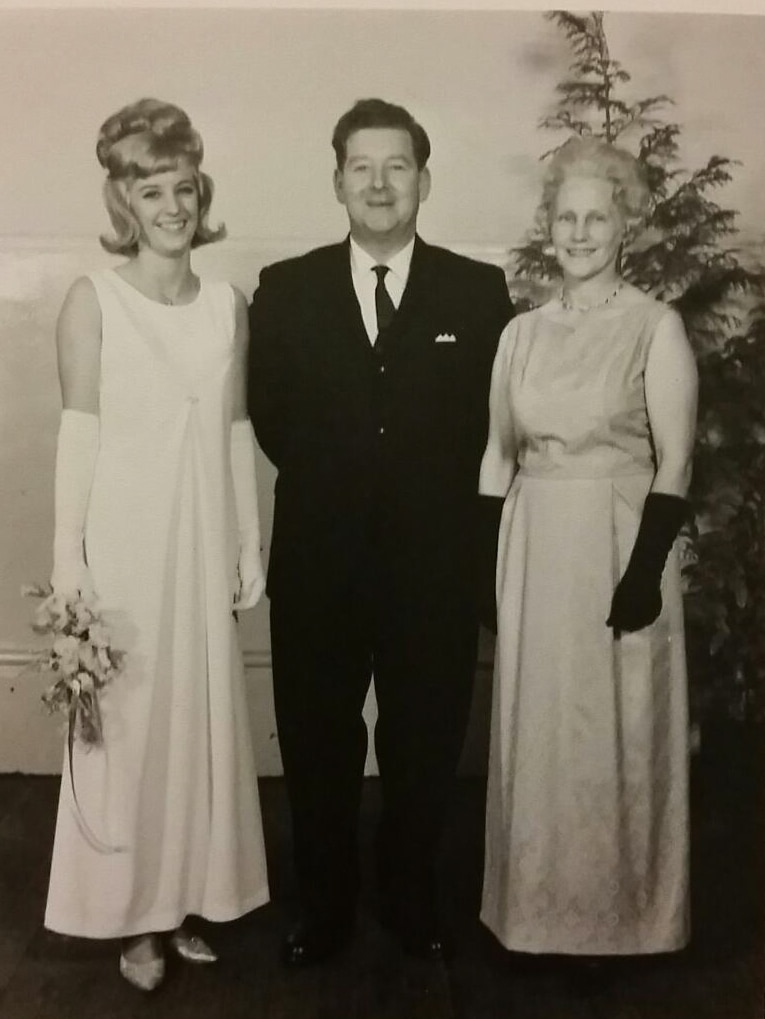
(544, 476)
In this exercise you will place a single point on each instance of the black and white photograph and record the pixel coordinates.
(382, 517)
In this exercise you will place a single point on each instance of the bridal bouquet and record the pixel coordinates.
(80, 660)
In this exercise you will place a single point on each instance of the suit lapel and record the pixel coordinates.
(416, 294)
(339, 296)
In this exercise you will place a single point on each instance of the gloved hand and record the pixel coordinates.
(76, 453)
(488, 513)
(252, 581)
(636, 601)
(73, 580)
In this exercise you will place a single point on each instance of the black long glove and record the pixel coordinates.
(637, 599)
(489, 511)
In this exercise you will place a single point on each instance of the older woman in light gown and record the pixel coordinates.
(592, 404)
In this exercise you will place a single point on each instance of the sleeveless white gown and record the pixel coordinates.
(174, 786)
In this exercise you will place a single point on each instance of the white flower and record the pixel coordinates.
(83, 616)
(104, 661)
(88, 658)
(51, 613)
(86, 682)
(98, 635)
(67, 649)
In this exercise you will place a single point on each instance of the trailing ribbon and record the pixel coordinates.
(75, 704)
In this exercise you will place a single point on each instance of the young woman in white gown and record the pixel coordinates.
(593, 402)
(156, 512)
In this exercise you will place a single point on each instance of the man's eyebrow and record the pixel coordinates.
(388, 159)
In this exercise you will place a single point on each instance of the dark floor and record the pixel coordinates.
(721, 976)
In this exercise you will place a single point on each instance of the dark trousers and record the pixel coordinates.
(419, 641)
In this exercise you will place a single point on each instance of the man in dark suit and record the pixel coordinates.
(369, 373)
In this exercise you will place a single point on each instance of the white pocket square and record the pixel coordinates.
(446, 338)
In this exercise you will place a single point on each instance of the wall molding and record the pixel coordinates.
(255, 659)
(23, 657)
(29, 743)
(50, 243)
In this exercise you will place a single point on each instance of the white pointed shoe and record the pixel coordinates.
(146, 976)
(191, 947)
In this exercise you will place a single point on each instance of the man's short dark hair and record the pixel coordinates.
(377, 113)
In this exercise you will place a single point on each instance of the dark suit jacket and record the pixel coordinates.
(376, 446)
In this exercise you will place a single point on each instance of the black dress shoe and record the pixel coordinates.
(427, 945)
(310, 942)
(421, 940)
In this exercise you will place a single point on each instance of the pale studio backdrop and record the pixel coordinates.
(265, 88)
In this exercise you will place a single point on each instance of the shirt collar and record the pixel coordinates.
(398, 264)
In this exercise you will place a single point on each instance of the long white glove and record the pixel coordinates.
(252, 580)
(75, 465)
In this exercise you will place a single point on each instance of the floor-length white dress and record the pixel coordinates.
(173, 789)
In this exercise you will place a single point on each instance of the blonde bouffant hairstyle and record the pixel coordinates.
(593, 157)
(141, 139)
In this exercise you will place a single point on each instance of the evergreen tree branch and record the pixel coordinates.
(685, 257)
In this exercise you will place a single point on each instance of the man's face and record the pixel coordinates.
(381, 186)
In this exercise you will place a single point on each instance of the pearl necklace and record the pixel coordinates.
(566, 303)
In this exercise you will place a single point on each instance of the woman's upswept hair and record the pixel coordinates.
(141, 139)
(593, 157)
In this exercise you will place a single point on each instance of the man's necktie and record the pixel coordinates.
(383, 304)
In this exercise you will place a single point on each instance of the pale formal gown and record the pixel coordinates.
(587, 815)
(173, 789)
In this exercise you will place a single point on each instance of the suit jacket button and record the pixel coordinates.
(381, 430)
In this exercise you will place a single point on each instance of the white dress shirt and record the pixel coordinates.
(365, 281)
